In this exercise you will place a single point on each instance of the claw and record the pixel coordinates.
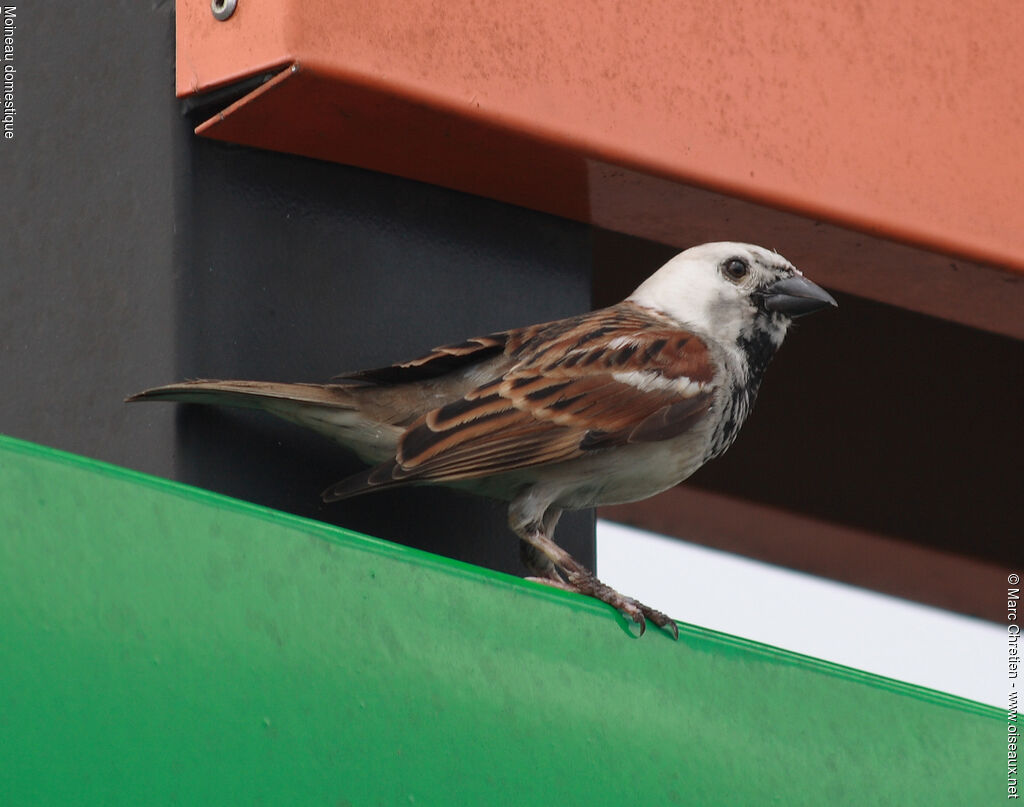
(672, 628)
(577, 578)
(661, 620)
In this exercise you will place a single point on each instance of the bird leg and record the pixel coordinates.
(546, 559)
(541, 565)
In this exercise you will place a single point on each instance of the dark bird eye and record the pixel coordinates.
(735, 268)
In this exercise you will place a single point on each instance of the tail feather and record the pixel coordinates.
(333, 410)
(248, 394)
(371, 479)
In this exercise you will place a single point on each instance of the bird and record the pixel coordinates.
(605, 407)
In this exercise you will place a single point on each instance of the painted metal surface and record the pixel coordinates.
(898, 120)
(162, 644)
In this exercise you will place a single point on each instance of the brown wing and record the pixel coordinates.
(605, 379)
(438, 362)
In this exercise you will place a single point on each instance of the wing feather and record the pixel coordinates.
(436, 363)
(613, 377)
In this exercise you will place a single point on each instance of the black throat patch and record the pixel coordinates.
(758, 349)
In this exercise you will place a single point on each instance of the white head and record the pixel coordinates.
(734, 293)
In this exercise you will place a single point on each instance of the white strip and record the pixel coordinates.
(647, 380)
(832, 621)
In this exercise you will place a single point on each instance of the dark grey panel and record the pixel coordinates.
(135, 254)
(87, 234)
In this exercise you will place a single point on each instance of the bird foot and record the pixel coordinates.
(632, 609)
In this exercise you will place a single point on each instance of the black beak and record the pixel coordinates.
(796, 296)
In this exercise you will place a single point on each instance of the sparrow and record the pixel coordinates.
(606, 407)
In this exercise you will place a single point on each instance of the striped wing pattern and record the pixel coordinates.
(604, 379)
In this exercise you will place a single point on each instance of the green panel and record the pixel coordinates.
(160, 644)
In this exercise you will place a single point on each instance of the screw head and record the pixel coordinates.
(222, 9)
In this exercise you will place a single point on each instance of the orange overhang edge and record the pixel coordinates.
(674, 122)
